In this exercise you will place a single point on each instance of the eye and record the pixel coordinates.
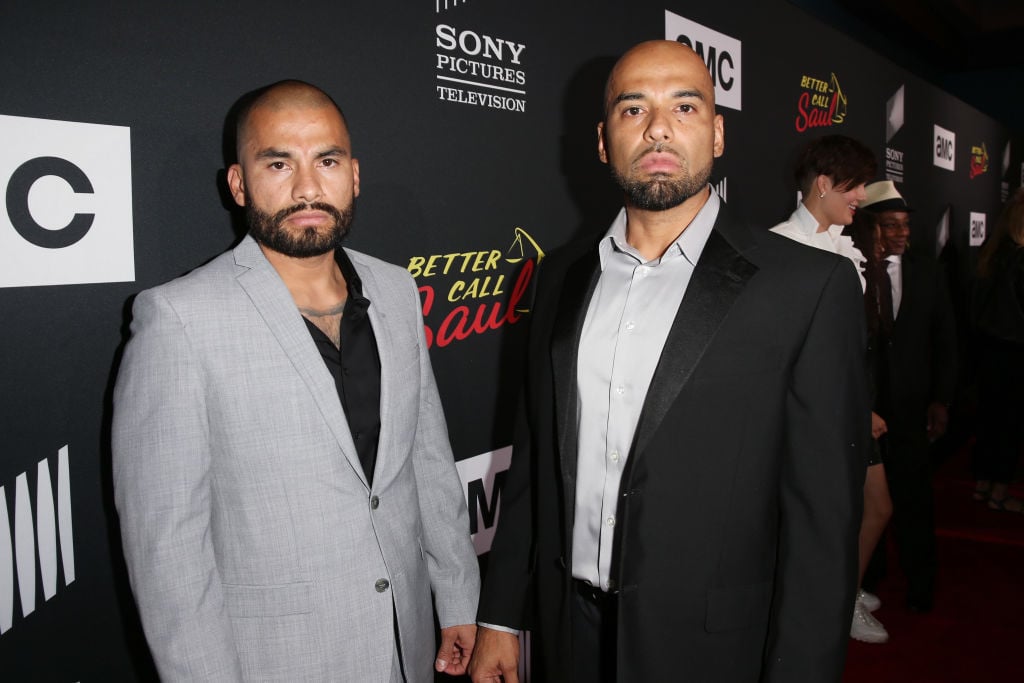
(686, 108)
(277, 165)
(329, 162)
(632, 111)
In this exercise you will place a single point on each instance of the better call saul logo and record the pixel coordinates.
(721, 53)
(467, 293)
(66, 216)
(979, 160)
(822, 103)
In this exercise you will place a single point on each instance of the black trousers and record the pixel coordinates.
(594, 624)
(909, 473)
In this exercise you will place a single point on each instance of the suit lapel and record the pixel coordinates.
(274, 302)
(580, 281)
(390, 383)
(720, 275)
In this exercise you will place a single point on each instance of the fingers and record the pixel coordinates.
(445, 653)
(495, 657)
(456, 649)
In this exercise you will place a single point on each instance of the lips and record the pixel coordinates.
(658, 162)
(308, 218)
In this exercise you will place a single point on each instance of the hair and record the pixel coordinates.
(1009, 228)
(846, 161)
(865, 234)
(280, 95)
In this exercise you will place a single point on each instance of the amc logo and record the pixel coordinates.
(483, 478)
(977, 234)
(945, 148)
(66, 216)
(721, 53)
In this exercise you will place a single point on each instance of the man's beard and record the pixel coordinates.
(269, 230)
(661, 192)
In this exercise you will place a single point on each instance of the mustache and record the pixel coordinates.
(657, 148)
(329, 209)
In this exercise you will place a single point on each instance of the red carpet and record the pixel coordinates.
(976, 631)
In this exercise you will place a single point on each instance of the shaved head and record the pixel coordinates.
(280, 96)
(666, 54)
(660, 132)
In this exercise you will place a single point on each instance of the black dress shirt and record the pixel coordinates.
(355, 367)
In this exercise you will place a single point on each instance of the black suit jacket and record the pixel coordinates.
(922, 350)
(741, 499)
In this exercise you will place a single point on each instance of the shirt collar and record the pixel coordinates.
(357, 304)
(689, 244)
(809, 224)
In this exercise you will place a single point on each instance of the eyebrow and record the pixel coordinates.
(679, 94)
(272, 153)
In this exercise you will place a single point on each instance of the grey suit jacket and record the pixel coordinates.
(255, 548)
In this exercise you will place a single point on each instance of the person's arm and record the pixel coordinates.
(161, 471)
(821, 491)
(451, 560)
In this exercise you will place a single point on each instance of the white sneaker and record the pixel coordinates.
(865, 627)
(869, 600)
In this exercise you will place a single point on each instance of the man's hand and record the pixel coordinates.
(456, 648)
(938, 417)
(496, 656)
(878, 426)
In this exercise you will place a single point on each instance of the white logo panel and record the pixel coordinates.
(483, 477)
(66, 216)
(977, 235)
(24, 541)
(945, 148)
(894, 113)
(721, 53)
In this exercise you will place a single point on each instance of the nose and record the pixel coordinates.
(860, 194)
(306, 185)
(659, 126)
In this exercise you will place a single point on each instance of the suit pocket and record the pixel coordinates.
(738, 607)
(269, 601)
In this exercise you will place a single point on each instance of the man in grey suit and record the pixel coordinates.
(288, 498)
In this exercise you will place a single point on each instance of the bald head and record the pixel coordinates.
(660, 132)
(658, 58)
(281, 96)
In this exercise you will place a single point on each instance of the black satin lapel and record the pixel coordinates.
(720, 276)
(577, 288)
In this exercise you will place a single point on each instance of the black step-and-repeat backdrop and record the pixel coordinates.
(473, 121)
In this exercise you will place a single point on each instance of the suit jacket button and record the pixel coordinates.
(374, 503)
(381, 585)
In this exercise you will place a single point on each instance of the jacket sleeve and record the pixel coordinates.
(451, 560)
(821, 490)
(162, 490)
(505, 599)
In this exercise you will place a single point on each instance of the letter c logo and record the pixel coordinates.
(21, 182)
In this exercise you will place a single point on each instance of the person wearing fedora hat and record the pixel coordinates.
(920, 376)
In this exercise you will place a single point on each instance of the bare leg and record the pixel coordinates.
(877, 511)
